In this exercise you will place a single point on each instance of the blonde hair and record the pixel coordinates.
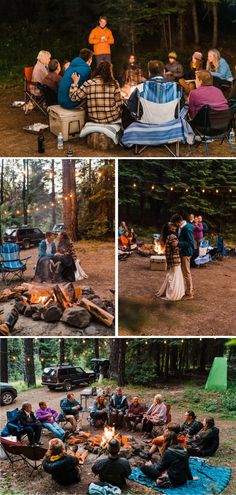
(213, 66)
(42, 55)
(55, 447)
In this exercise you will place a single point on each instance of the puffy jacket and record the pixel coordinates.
(101, 47)
(175, 462)
(63, 470)
(79, 66)
(121, 404)
(186, 240)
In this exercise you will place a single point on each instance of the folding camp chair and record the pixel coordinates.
(11, 265)
(37, 100)
(16, 451)
(159, 120)
(204, 255)
(13, 427)
(50, 95)
(211, 125)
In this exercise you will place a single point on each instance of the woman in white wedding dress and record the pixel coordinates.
(173, 288)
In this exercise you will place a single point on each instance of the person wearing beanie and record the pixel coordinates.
(112, 468)
(187, 82)
(173, 69)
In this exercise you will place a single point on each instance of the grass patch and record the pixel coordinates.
(223, 403)
(21, 386)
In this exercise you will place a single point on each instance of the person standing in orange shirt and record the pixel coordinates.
(101, 38)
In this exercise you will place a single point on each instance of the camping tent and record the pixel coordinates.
(217, 378)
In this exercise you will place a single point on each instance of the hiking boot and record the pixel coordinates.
(12, 319)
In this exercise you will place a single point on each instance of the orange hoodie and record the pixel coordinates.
(101, 47)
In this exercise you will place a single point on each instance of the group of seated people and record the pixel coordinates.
(173, 442)
(126, 236)
(103, 96)
(56, 263)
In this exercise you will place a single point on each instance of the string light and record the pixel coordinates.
(172, 189)
(203, 190)
(186, 190)
(217, 190)
(230, 190)
(164, 341)
(134, 185)
(153, 187)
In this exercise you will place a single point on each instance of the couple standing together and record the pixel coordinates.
(178, 239)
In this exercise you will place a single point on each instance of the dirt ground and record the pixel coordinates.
(211, 312)
(17, 142)
(41, 483)
(95, 258)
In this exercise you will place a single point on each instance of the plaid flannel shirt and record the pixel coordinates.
(172, 252)
(104, 101)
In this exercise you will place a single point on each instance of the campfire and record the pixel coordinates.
(157, 247)
(98, 443)
(109, 433)
(64, 302)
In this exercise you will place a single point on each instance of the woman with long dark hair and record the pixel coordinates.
(101, 94)
(173, 469)
(64, 259)
(173, 288)
(206, 442)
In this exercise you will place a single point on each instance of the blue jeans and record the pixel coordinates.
(55, 429)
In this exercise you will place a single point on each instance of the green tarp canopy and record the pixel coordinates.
(217, 378)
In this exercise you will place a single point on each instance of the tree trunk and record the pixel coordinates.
(202, 357)
(121, 362)
(181, 31)
(96, 348)
(195, 23)
(215, 24)
(53, 196)
(167, 355)
(169, 32)
(29, 362)
(69, 199)
(62, 351)
(4, 360)
(24, 192)
(114, 347)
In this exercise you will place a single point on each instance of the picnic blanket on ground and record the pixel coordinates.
(157, 134)
(212, 480)
(110, 130)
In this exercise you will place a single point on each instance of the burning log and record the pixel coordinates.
(7, 294)
(60, 297)
(99, 313)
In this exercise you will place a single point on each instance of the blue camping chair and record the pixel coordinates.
(159, 120)
(11, 265)
(204, 254)
(13, 426)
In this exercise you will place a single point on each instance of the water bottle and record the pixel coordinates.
(41, 146)
(60, 141)
(232, 137)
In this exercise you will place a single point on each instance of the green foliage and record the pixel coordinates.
(145, 374)
(229, 400)
(146, 198)
(223, 403)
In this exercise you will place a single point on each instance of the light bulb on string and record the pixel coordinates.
(153, 187)
(217, 190)
(203, 190)
(134, 185)
(186, 190)
(230, 190)
(172, 189)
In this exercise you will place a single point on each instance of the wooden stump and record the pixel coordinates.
(99, 141)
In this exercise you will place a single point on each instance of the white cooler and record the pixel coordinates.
(158, 262)
(69, 122)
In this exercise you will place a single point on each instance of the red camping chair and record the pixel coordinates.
(37, 100)
(168, 414)
(17, 451)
